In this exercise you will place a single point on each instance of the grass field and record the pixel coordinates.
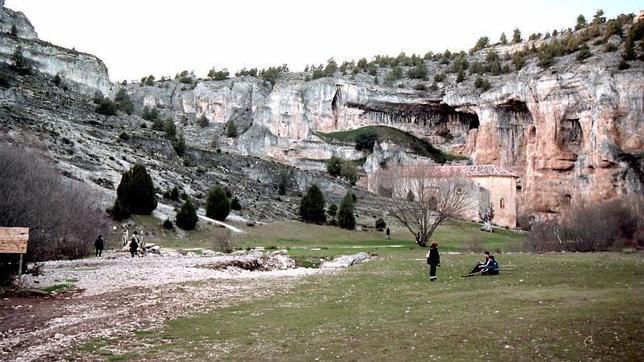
(566, 306)
(542, 307)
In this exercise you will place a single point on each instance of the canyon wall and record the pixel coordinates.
(80, 69)
(573, 131)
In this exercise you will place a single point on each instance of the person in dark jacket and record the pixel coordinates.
(492, 267)
(388, 233)
(434, 260)
(134, 246)
(99, 244)
(480, 265)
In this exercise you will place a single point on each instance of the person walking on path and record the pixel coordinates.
(388, 233)
(433, 259)
(99, 244)
(134, 245)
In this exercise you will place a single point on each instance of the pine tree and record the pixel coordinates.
(312, 206)
(332, 210)
(503, 40)
(136, 192)
(516, 36)
(217, 204)
(346, 218)
(231, 129)
(187, 216)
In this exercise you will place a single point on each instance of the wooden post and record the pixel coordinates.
(20, 266)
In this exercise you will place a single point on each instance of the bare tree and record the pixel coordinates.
(424, 197)
(63, 214)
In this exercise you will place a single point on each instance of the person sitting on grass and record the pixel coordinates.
(481, 265)
(491, 268)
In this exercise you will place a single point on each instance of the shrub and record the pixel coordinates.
(235, 204)
(581, 22)
(334, 166)
(283, 183)
(231, 129)
(598, 227)
(395, 74)
(106, 107)
(312, 206)
(167, 224)
(482, 84)
(203, 121)
(346, 218)
(124, 136)
(21, 64)
(610, 47)
(584, 52)
(366, 141)
(380, 224)
(179, 145)
(272, 74)
(218, 74)
(420, 87)
(418, 72)
(330, 68)
(187, 216)
(217, 204)
(118, 212)
(460, 76)
(170, 128)
(439, 77)
(516, 36)
(136, 191)
(503, 39)
(482, 43)
(349, 172)
(149, 80)
(518, 59)
(332, 210)
(63, 214)
(123, 102)
(57, 80)
(172, 194)
(150, 114)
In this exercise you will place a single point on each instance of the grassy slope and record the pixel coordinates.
(402, 138)
(301, 238)
(546, 307)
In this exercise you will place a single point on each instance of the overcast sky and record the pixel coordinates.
(139, 37)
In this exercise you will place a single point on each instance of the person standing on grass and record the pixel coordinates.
(134, 245)
(388, 233)
(434, 260)
(99, 244)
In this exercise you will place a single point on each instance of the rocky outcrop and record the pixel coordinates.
(572, 132)
(84, 70)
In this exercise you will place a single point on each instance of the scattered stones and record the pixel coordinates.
(345, 261)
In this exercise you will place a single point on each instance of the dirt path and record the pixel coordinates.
(122, 296)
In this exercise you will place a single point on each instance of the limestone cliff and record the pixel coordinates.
(16, 32)
(572, 131)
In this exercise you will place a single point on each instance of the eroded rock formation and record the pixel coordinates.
(573, 132)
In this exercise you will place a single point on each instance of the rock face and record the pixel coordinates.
(573, 132)
(84, 70)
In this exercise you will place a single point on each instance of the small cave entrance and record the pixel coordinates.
(570, 132)
(334, 104)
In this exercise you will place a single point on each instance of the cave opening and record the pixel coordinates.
(570, 132)
(431, 114)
